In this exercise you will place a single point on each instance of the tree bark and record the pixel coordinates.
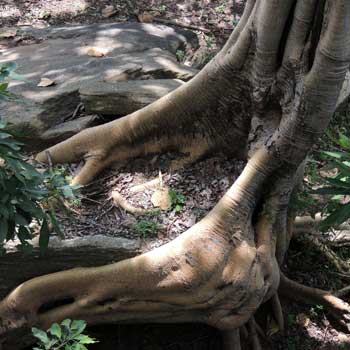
(267, 96)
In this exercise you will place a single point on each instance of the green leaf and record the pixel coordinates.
(338, 183)
(337, 217)
(3, 87)
(336, 155)
(78, 326)
(344, 141)
(23, 234)
(44, 237)
(40, 334)
(67, 192)
(332, 191)
(85, 339)
(66, 323)
(55, 224)
(55, 330)
(8, 66)
(82, 347)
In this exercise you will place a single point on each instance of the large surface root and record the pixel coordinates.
(178, 282)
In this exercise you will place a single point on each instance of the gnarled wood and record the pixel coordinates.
(266, 96)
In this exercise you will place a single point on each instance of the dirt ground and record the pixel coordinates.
(197, 188)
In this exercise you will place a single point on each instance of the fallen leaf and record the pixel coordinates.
(7, 32)
(95, 52)
(109, 11)
(161, 199)
(45, 82)
(145, 17)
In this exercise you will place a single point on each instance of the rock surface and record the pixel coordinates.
(63, 57)
(121, 98)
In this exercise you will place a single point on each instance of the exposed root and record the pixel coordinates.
(256, 345)
(342, 292)
(231, 340)
(337, 308)
(277, 311)
(244, 332)
(121, 202)
(145, 186)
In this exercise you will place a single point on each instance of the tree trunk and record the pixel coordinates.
(267, 96)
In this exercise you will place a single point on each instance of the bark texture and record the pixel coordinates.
(267, 96)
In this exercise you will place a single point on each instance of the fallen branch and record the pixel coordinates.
(176, 22)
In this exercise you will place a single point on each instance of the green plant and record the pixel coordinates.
(146, 228)
(66, 336)
(220, 9)
(316, 310)
(336, 186)
(180, 55)
(159, 8)
(178, 201)
(28, 197)
(7, 71)
(209, 41)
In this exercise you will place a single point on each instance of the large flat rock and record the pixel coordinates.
(63, 57)
(88, 251)
(121, 98)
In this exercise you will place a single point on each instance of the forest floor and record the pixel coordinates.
(195, 189)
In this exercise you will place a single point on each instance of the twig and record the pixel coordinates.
(104, 212)
(176, 22)
(74, 114)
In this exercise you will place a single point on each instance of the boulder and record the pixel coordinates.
(121, 98)
(63, 57)
(67, 129)
(17, 267)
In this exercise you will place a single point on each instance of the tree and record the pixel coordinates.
(267, 96)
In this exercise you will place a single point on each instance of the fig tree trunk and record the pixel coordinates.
(267, 96)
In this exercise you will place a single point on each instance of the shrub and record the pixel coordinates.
(66, 336)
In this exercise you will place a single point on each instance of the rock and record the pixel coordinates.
(7, 32)
(63, 58)
(88, 251)
(65, 130)
(122, 98)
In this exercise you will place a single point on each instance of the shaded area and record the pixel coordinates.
(64, 57)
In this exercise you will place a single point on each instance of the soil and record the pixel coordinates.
(197, 187)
